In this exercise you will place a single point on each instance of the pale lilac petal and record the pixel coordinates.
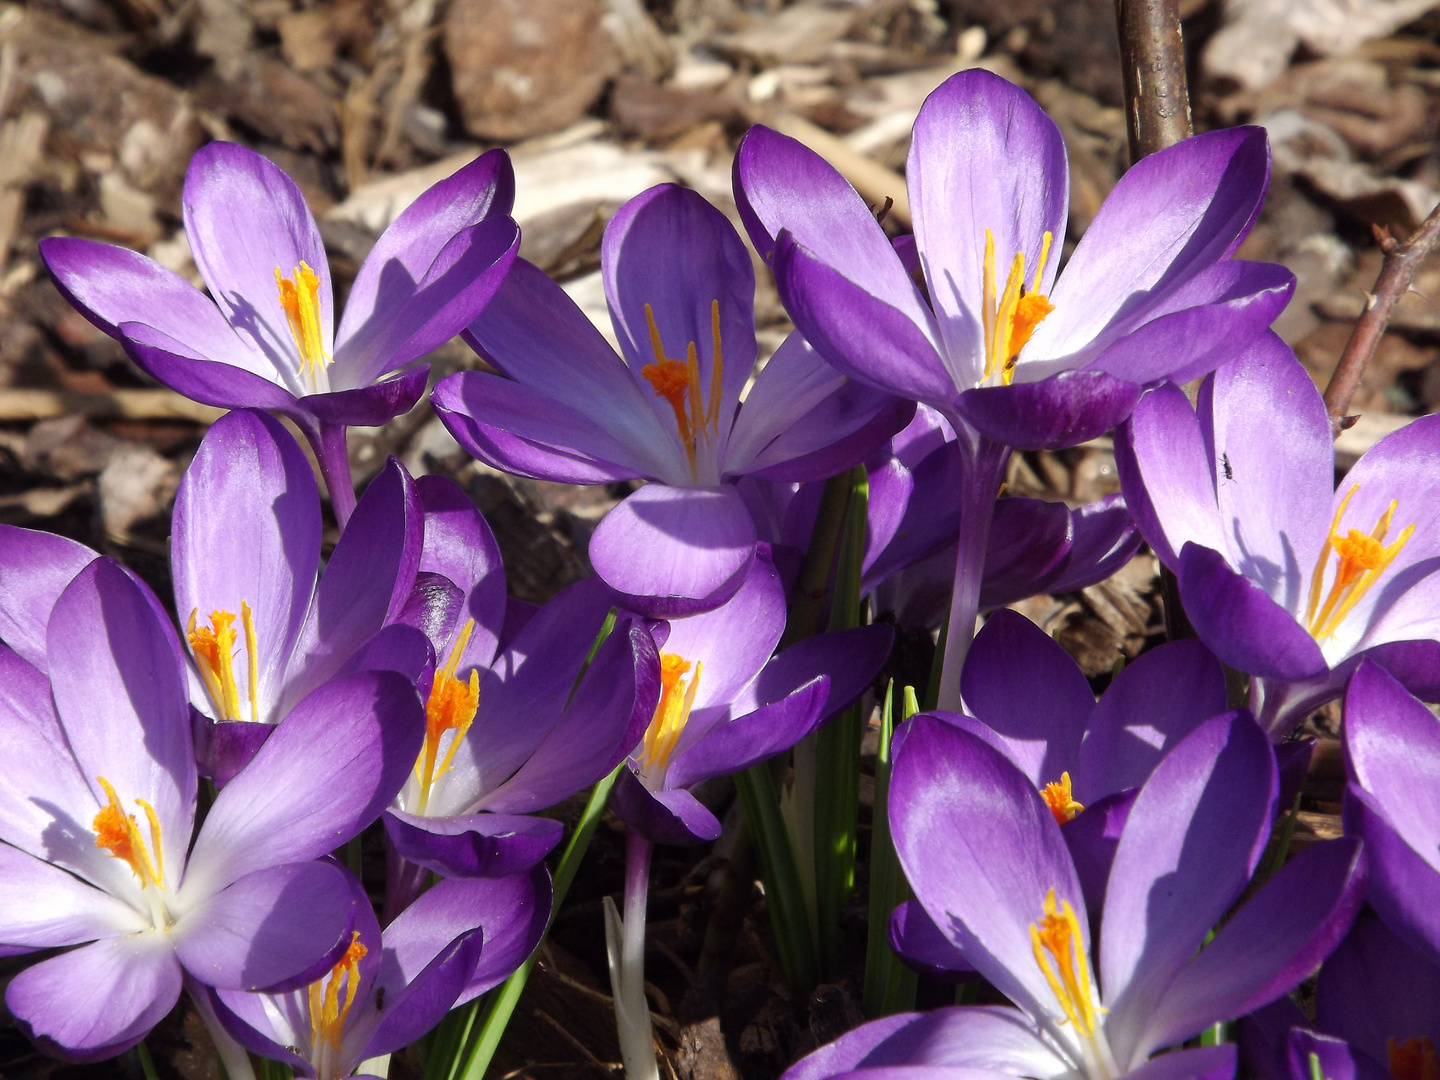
(1403, 882)
(35, 567)
(674, 551)
(1198, 1063)
(984, 160)
(94, 1002)
(245, 218)
(268, 927)
(42, 907)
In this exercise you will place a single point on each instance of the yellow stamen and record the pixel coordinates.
(1056, 936)
(678, 382)
(1061, 800)
(1360, 560)
(1413, 1059)
(300, 297)
(252, 654)
(672, 711)
(451, 706)
(214, 650)
(1010, 320)
(327, 1014)
(117, 833)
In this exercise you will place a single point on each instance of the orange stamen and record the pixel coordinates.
(1060, 798)
(1360, 560)
(116, 832)
(327, 1014)
(451, 706)
(672, 711)
(1056, 937)
(678, 382)
(300, 299)
(1010, 320)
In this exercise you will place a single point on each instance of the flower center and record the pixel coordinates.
(300, 297)
(1413, 1059)
(214, 651)
(451, 706)
(1011, 318)
(672, 712)
(679, 383)
(327, 1012)
(1360, 559)
(1059, 952)
(117, 833)
(1061, 800)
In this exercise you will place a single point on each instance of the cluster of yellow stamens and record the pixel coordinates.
(300, 297)
(1360, 560)
(116, 832)
(1012, 316)
(671, 712)
(327, 1013)
(1056, 937)
(678, 382)
(1061, 799)
(214, 650)
(1413, 1059)
(451, 706)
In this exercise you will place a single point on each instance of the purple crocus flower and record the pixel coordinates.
(987, 861)
(1377, 1016)
(245, 551)
(97, 810)
(1392, 802)
(565, 407)
(726, 704)
(1282, 575)
(1011, 353)
(268, 338)
(508, 731)
(388, 988)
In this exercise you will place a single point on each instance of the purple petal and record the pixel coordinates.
(918, 941)
(1337, 1060)
(669, 251)
(395, 648)
(1190, 844)
(1092, 838)
(851, 659)
(675, 551)
(1375, 988)
(267, 928)
(372, 405)
(473, 845)
(1271, 944)
(984, 161)
(1105, 539)
(1153, 704)
(114, 287)
(1022, 685)
(42, 906)
(120, 692)
(246, 533)
(1029, 548)
(189, 371)
(460, 545)
(94, 1002)
(1403, 883)
(670, 816)
(751, 738)
(245, 218)
(1199, 1063)
(35, 568)
(880, 344)
(232, 746)
(1240, 623)
(1062, 410)
(1173, 215)
(335, 762)
(981, 850)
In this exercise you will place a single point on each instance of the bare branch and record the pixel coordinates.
(1396, 275)
(1152, 56)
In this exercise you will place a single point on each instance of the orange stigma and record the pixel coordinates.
(117, 833)
(672, 711)
(451, 706)
(327, 1014)
(679, 384)
(1413, 1059)
(1360, 559)
(300, 297)
(1011, 317)
(1061, 800)
(214, 651)
(1056, 937)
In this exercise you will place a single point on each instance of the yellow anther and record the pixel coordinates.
(1056, 937)
(117, 833)
(1413, 1059)
(327, 1013)
(451, 706)
(678, 382)
(1360, 560)
(1011, 317)
(300, 297)
(1061, 800)
(672, 712)
(214, 651)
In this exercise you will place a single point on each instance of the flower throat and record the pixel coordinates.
(1011, 318)
(679, 384)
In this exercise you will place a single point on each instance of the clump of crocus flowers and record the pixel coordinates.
(184, 798)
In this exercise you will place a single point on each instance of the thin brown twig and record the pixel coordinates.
(1152, 59)
(1396, 274)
